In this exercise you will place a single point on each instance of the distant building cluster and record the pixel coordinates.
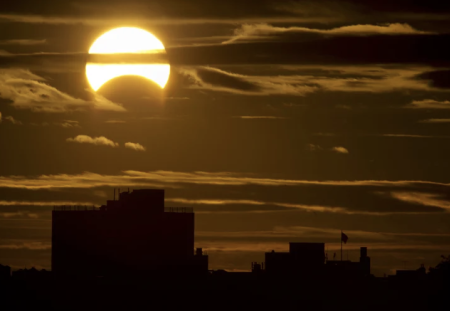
(309, 260)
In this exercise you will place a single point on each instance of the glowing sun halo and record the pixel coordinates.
(126, 40)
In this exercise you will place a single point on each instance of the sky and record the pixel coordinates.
(282, 121)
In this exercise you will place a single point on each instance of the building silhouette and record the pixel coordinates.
(5, 272)
(309, 260)
(303, 258)
(135, 233)
(349, 268)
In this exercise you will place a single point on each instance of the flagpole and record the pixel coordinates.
(341, 245)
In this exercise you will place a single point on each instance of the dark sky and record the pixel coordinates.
(282, 121)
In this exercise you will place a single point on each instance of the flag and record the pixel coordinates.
(344, 237)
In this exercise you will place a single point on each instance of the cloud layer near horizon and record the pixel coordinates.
(140, 178)
(412, 200)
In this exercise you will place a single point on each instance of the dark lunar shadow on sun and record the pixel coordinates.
(135, 93)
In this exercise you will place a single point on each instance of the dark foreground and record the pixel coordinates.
(223, 292)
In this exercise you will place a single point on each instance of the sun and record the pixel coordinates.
(126, 42)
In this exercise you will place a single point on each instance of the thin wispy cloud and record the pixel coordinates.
(413, 136)
(23, 42)
(12, 120)
(292, 206)
(429, 104)
(259, 117)
(318, 232)
(67, 20)
(69, 124)
(315, 148)
(20, 214)
(173, 179)
(27, 245)
(134, 146)
(29, 91)
(421, 198)
(340, 150)
(367, 79)
(115, 121)
(265, 31)
(100, 141)
(43, 203)
(312, 147)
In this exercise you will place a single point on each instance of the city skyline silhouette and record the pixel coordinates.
(134, 248)
(308, 137)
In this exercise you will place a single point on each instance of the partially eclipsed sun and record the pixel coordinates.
(126, 40)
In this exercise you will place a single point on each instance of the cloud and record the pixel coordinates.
(135, 146)
(5, 53)
(84, 139)
(290, 206)
(67, 20)
(429, 104)
(437, 78)
(325, 134)
(170, 178)
(311, 48)
(227, 80)
(340, 150)
(265, 31)
(319, 233)
(42, 124)
(69, 124)
(43, 203)
(303, 80)
(421, 198)
(115, 121)
(435, 121)
(312, 147)
(413, 136)
(259, 117)
(12, 120)
(246, 193)
(23, 42)
(223, 81)
(19, 214)
(177, 98)
(27, 245)
(28, 91)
